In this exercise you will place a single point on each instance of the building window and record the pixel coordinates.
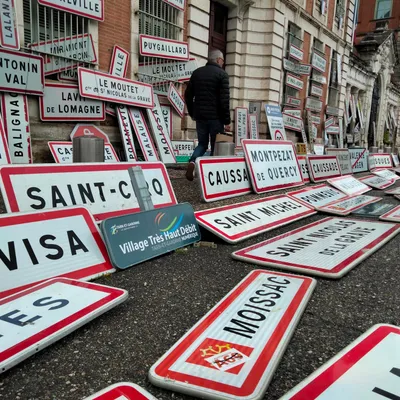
(340, 11)
(44, 27)
(383, 9)
(322, 6)
(333, 97)
(294, 36)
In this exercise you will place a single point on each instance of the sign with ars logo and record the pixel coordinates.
(317, 196)
(272, 164)
(347, 375)
(377, 182)
(37, 317)
(238, 222)
(222, 177)
(104, 188)
(329, 248)
(227, 355)
(122, 391)
(304, 168)
(349, 185)
(62, 152)
(323, 167)
(134, 238)
(39, 246)
(275, 122)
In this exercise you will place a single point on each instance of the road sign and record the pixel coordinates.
(93, 9)
(395, 191)
(396, 161)
(293, 101)
(222, 177)
(349, 374)
(101, 86)
(143, 134)
(119, 62)
(49, 244)
(62, 152)
(292, 123)
(349, 185)
(134, 238)
(377, 182)
(105, 189)
(349, 205)
(316, 90)
(343, 156)
(152, 46)
(318, 62)
(253, 127)
(126, 131)
(305, 174)
(122, 391)
(393, 215)
(73, 49)
(238, 222)
(294, 112)
(272, 164)
(167, 115)
(37, 317)
(14, 109)
(329, 248)
(70, 75)
(323, 167)
(297, 68)
(183, 150)
(4, 152)
(176, 100)
(62, 102)
(275, 122)
(88, 130)
(379, 161)
(294, 82)
(241, 125)
(386, 174)
(313, 104)
(160, 133)
(9, 38)
(373, 210)
(317, 196)
(233, 351)
(359, 159)
(21, 73)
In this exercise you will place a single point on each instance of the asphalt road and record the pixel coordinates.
(168, 295)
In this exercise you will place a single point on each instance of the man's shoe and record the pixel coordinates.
(190, 171)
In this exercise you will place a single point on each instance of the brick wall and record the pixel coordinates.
(116, 29)
(331, 13)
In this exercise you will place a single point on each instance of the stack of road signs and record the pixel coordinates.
(233, 351)
(328, 248)
(367, 368)
(349, 185)
(377, 182)
(378, 161)
(122, 391)
(34, 318)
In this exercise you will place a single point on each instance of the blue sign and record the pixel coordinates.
(133, 238)
(273, 111)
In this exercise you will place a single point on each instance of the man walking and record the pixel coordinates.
(207, 101)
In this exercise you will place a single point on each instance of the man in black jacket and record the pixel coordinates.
(207, 101)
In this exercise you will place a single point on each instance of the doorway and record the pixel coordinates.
(376, 96)
(218, 27)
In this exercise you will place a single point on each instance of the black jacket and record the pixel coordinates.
(207, 94)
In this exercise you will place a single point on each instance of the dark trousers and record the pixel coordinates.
(206, 132)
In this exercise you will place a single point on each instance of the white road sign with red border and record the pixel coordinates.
(379, 161)
(153, 46)
(227, 355)
(329, 248)
(62, 102)
(343, 156)
(347, 206)
(317, 196)
(89, 130)
(235, 223)
(241, 125)
(222, 177)
(377, 182)
(366, 369)
(119, 62)
(392, 215)
(167, 114)
(70, 75)
(62, 152)
(93, 9)
(395, 191)
(323, 168)
(39, 316)
(40, 246)
(359, 159)
(4, 152)
(386, 174)
(101, 86)
(126, 131)
(143, 134)
(14, 109)
(253, 127)
(176, 100)
(104, 188)
(9, 37)
(349, 185)
(396, 161)
(305, 173)
(122, 391)
(272, 164)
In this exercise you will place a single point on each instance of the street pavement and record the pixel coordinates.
(168, 295)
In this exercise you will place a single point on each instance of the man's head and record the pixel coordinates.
(216, 56)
